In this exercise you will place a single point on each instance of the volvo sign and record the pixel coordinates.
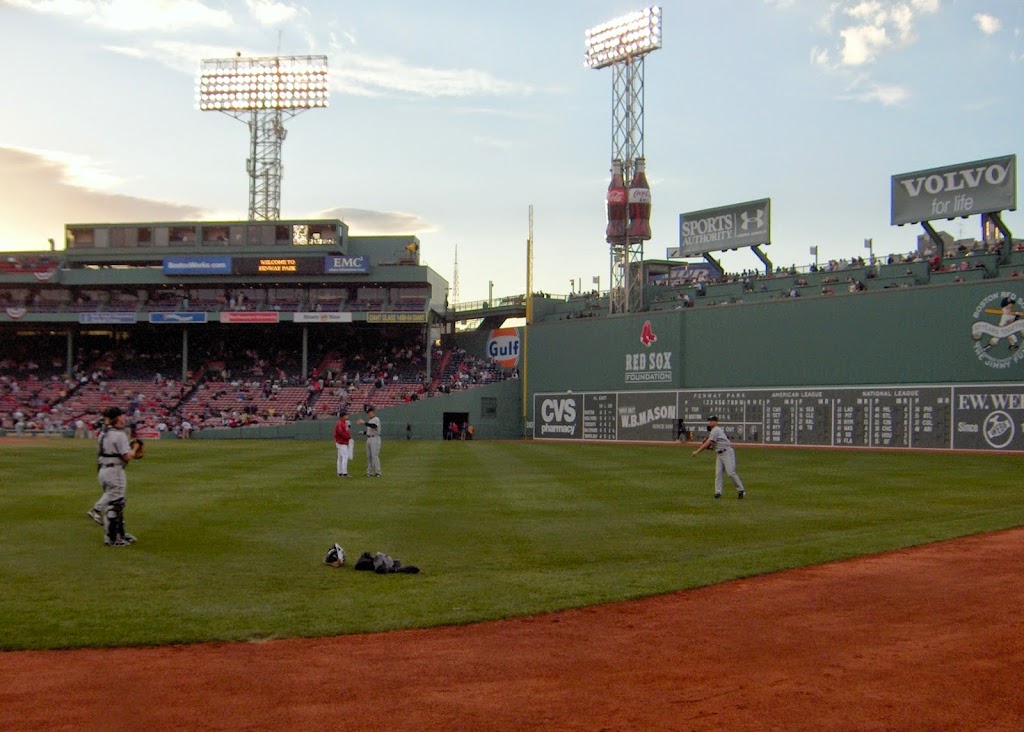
(984, 186)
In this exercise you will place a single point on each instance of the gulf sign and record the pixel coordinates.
(503, 347)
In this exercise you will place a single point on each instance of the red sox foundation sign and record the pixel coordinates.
(648, 365)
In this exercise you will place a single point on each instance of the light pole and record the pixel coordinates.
(572, 287)
(814, 251)
(597, 281)
(263, 92)
(622, 44)
(870, 246)
(490, 293)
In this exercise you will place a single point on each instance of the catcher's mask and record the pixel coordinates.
(335, 556)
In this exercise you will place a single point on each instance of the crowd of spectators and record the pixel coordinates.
(256, 384)
(845, 275)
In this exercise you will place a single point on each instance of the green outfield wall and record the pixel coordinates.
(914, 335)
(928, 367)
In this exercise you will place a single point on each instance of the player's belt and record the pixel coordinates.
(109, 464)
(722, 450)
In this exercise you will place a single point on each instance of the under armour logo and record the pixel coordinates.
(647, 336)
(757, 219)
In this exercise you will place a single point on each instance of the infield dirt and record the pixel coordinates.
(921, 639)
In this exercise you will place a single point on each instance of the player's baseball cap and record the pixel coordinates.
(371, 408)
(113, 413)
(342, 412)
(712, 418)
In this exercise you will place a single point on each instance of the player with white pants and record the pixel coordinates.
(726, 459)
(372, 433)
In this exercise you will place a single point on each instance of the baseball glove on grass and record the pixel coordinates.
(138, 448)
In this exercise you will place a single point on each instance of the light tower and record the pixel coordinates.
(263, 92)
(623, 44)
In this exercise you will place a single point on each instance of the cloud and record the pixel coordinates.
(493, 142)
(988, 24)
(44, 190)
(363, 222)
(863, 31)
(269, 12)
(365, 75)
(869, 28)
(888, 95)
(350, 73)
(862, 43)
(55, 188)
(133, 15)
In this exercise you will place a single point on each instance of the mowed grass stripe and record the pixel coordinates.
(232, 534)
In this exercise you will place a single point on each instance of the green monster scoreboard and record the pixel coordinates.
(962, 417)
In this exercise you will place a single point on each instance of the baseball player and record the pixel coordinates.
(342, 441)
(1009, 314)
(372, 433)
(114, 452)
(726, 462)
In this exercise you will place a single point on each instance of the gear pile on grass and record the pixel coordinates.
(380, 562)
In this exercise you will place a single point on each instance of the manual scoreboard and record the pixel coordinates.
(970, 417)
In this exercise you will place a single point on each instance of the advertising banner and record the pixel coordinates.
(106, 318)
(558, 416)
(503, 346)
(988, 417)
(177, 317)
(250, 317)
(983, 186)
(649, 416)
(277, 266)
(396, 317)
(322, 317)
(185, 265)
(685, 274)
(727, 227)
(347, 265)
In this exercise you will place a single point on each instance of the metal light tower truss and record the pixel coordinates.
(263, 92)
(623, 44)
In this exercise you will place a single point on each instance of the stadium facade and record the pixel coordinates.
(917, 358)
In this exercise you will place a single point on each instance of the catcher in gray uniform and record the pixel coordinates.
(726, 462)
(114, 452)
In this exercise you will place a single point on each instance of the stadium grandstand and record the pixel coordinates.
(222, 325)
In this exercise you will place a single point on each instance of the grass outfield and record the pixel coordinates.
(232, 534)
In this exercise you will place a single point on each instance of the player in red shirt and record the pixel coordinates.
(342, 438)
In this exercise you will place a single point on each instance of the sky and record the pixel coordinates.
(449, 120)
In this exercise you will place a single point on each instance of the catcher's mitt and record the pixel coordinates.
(335, 556)
(138, 448)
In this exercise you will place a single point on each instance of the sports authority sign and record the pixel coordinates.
(727, 227)
(983, 186)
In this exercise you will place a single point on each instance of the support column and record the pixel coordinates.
(70, 366)
(184, 354)
(305, 351)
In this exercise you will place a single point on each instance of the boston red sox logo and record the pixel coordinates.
(647, 336)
